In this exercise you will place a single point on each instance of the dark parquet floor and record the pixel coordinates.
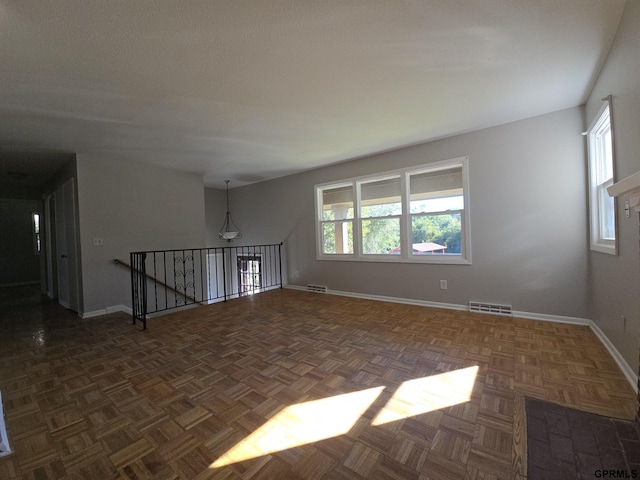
(288, 385)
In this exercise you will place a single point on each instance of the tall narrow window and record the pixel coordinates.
(36, 232)
(601, 176)
(336, 214)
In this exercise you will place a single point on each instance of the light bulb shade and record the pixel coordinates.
(229, 235)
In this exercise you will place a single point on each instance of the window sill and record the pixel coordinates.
(628, 187)
(608, 249)
(436, 260)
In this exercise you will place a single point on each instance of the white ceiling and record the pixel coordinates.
(256, 89)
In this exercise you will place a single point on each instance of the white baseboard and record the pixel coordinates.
(627, 371)
(20, 284)
(544, 317)
(106, 311)
(406, 301)
(619, 359)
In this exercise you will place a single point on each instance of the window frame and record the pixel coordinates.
(405, 217)
(320, 221)
(359, 182)
(36, 229)
(602, 121)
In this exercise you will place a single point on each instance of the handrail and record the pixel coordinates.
(117, 261)
(200, 275)
(239, 247)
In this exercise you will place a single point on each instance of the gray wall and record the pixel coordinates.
(18, 261)
(615, 280)
(528, 221)
(216, 208)
(131, 206)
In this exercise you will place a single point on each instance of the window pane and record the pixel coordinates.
(36, 232)
(436, 191)
(436, 234)
(608, 153)
(380, 198)
(607, 216)
(604, 154)
(441, 204)
(337, 237)
(381, 236)
(337, 203)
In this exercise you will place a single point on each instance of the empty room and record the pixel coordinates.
(319, 240)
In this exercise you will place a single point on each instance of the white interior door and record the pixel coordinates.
(48, 244)
(66, 258)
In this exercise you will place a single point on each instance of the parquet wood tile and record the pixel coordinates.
(101, 399)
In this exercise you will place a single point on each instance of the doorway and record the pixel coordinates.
(249, 274)
(19, 257)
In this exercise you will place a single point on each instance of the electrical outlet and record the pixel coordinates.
(296, 274)
(443, 284)
(98, 242)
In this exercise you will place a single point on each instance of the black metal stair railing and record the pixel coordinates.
(166, 279)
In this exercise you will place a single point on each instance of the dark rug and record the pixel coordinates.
(564, 443)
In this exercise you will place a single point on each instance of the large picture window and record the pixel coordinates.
(601, 176)
(419, 214)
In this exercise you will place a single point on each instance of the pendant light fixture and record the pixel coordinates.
(229, 230)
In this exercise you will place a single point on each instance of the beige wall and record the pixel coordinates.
(528, 221)
(614, 287)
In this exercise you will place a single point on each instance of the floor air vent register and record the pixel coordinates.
(317, 288)
(492, 308)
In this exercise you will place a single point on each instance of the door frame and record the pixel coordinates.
(65, 254)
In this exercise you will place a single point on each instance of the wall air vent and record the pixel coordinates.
(317, 288)
(490, 308)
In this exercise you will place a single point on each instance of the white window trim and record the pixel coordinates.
(597, 243)
(36, 235)
(406, 255)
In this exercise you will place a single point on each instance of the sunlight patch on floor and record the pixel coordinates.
(423, 395)
(317, 420)
(303, 423)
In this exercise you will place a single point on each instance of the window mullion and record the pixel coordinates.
(405, 218)
(357, 222)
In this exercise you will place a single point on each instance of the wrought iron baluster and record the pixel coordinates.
(280, 262)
